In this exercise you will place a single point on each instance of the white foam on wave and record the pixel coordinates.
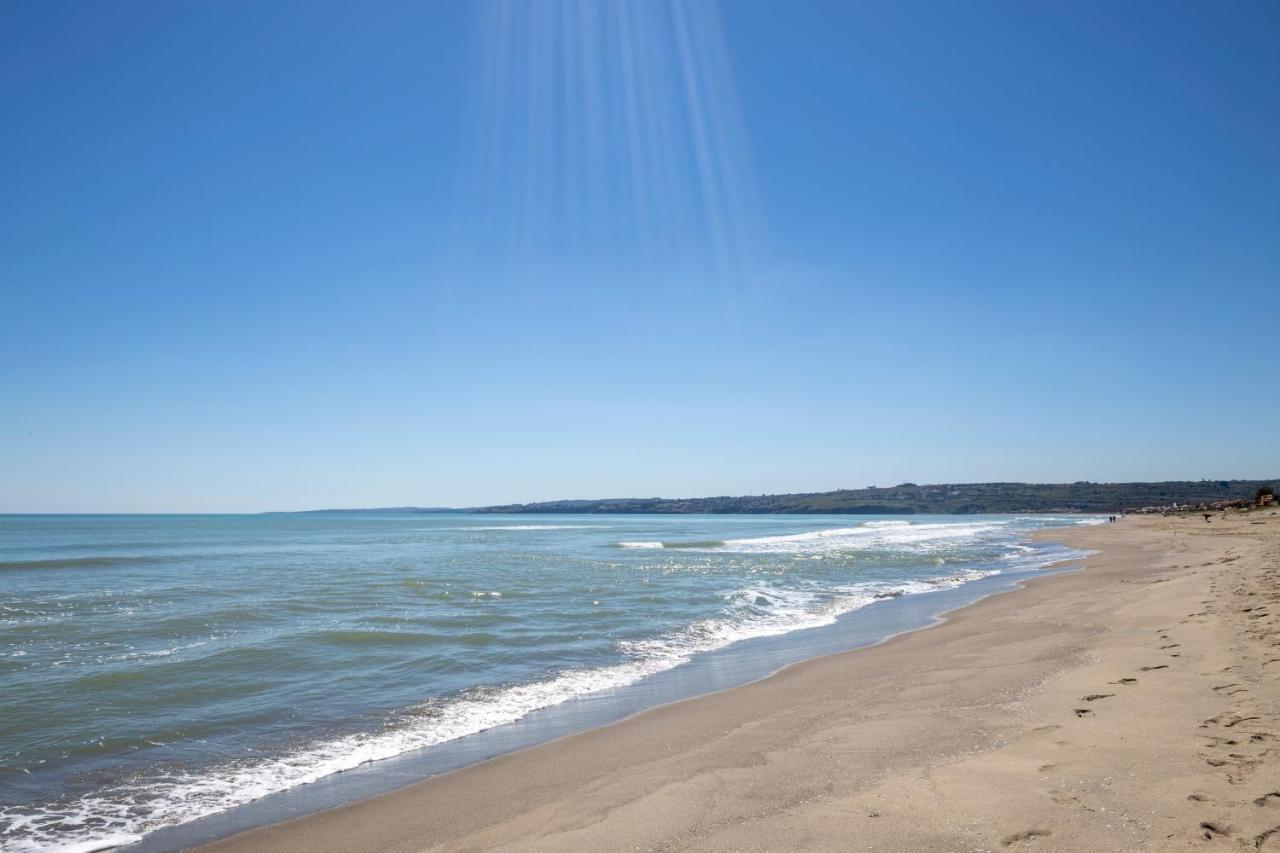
(771, 611)
(123, 814)
(535, 527)
(116, 816)
(872, 534)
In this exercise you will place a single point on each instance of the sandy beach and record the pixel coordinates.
(1131, 705)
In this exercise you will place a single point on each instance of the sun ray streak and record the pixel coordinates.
(612, 134)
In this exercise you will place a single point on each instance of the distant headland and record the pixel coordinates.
(911, 499)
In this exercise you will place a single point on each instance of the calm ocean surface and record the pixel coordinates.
(157, 669)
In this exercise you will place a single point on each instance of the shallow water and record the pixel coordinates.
(163, 668)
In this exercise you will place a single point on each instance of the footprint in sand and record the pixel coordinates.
(1027, 835)
(1261, 838)
(1237, 721)
(1150, 668)
(1083, 712)
(1124, 681)
(1094, 697)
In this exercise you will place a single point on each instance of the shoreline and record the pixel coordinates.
(744, 662)
(1028, 695)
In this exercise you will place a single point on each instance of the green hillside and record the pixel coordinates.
(909, 498)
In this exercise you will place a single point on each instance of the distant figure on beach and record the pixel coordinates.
(1206, 517)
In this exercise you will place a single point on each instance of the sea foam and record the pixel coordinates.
(762, 592)
(871, 534)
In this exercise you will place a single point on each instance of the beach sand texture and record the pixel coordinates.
(1129, 706)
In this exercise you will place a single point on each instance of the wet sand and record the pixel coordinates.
(1133, 705)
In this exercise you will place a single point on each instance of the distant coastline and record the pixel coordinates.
(905, 499)
(372, 509)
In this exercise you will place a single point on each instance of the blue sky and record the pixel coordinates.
(286, 255)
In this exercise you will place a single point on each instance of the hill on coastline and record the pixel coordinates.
(910, 498)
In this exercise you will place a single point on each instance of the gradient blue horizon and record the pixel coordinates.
(999, 242)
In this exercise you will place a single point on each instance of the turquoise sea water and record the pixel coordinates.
(157, 669)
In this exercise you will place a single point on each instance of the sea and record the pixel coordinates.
(165, 679)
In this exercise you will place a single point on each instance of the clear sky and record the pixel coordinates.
(279, 255)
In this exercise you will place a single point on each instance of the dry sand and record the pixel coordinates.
(1129, 706)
